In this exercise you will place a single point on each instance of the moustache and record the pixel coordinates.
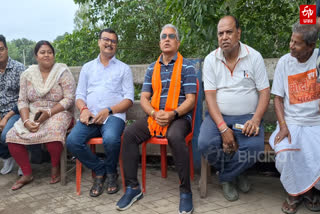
(109, 46)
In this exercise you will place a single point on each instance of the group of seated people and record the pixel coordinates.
(36, 107)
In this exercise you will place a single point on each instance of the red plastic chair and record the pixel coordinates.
(163, 142)
(92, 142)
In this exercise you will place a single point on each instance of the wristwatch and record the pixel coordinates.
(110, 110)
(176, 114)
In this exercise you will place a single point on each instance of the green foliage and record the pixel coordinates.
(22, 50)
(269, 127)
(81, 19)
(137, 22)
(137, 91)
(196, 21)
(77, 48)
(266, 26)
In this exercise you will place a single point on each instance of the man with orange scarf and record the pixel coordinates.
(170, 85)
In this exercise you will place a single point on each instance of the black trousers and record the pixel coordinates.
(138, 132)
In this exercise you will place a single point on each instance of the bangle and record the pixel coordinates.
(83, 108)
(220, 124)
(152, 112)
(224, 130)
(49, 112)
(282, 123)
(24, 122)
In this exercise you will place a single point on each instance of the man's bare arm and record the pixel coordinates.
(228, 141)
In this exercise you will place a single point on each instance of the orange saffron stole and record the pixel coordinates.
(173, 94)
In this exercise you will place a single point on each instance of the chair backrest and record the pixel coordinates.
(195, 109)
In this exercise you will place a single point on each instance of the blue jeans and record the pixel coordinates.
(230, 166)
(111, 134)
(4, 151)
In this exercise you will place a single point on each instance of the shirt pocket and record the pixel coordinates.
(116, 83)
(247, 79)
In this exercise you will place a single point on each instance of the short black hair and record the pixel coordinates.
(40, 43)
(108, 30)
(3, 40)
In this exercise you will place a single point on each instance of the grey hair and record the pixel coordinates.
(173, 27)
(309, 32)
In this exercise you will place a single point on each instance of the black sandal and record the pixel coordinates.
(312, 203)
(112, 184)
(97, 186)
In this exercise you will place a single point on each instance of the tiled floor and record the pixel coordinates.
(162, 196)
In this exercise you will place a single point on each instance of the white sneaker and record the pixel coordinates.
(7, 165)
(20, 173)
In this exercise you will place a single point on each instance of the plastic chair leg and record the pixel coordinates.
(78, 176)
(191, 161)
(93, 150)
(144, 166)
(163, 150)
(121, 167)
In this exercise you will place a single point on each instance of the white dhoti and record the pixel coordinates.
(299, 161)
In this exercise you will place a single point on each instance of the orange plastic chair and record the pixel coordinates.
(92, 142)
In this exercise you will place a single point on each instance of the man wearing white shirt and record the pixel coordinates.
(296, 138)
(105, 92)
(237, 92)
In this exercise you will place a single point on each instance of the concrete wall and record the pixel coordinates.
(138, 71)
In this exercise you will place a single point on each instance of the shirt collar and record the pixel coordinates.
(172, 61)
(243, 52)
(113, 60)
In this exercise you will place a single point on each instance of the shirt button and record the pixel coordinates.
(167, 70)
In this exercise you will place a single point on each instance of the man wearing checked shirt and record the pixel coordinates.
(105, 92)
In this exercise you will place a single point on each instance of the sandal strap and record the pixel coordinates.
(97, 186)
(112, 180)
(98, 180)
(293, 202)
(314, 200)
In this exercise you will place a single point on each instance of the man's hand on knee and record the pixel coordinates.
(229, 143)
(85, 115)
(251, 127)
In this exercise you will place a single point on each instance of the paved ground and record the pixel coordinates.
(162, 196)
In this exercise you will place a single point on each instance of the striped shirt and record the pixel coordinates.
(188, 80)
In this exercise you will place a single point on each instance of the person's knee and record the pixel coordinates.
(174, 136)
(128, 134)
(72, 142)
(3, 137)
(255, 147)
(111, 141)
(202, 141)
(206, 142)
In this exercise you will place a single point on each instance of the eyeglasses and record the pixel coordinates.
(107, 40)
(170, 35)
(2, 49)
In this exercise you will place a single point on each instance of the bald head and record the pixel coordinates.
(229, 34)
(230, 19)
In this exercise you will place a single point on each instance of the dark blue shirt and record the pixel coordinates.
(188, 80)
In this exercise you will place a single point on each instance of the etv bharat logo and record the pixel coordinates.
(308, 14)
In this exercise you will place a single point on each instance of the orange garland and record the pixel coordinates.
(173, 94)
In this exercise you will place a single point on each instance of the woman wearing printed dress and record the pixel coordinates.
(45, 103)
